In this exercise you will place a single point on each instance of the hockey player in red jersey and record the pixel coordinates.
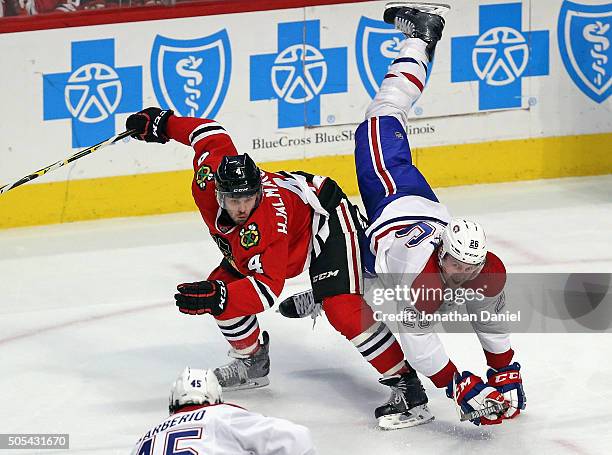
(414, 243)
(201, 423)
(269, 227)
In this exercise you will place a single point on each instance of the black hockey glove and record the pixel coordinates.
(150, 124)
(202, 297)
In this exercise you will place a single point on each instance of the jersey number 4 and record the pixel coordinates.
(255, 264)
(176, 443)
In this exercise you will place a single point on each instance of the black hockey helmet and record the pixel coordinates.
(237, 176)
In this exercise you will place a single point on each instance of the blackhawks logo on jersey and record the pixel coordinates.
(204, 175)
(249, 236)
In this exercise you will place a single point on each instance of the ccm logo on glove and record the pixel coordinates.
(501, 378)
(463, 384)
(202, 297)
(156, 122)
(149, 125)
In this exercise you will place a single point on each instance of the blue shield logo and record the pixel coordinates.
(377, 44)
(191, 76)
(584, 42)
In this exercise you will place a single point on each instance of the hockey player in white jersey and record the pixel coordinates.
(412, 236)
(201, 423)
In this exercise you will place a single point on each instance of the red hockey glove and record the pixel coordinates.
(202, 297)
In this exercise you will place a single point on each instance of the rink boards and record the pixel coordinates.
(518, 90)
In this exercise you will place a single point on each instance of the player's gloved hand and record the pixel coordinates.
(202, 297)
(473, 395)
(150, 124)
(508, 381)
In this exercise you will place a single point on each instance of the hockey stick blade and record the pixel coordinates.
(497, 408)
(70, 159)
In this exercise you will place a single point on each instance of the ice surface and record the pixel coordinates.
(90, 340)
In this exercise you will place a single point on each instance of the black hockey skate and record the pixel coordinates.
(246, 372)
(418, 20)
(301, 305)
(407, 406)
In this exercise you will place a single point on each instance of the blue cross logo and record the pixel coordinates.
(298, 74)
(500, 56)
(92, 92)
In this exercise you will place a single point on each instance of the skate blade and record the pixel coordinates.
(439, 9)
(416, 416)
(251, 384)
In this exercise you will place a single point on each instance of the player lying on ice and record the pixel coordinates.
(412, 235)
(200, 422)
(270, 227)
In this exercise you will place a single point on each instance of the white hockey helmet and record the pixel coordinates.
(464, 240)
(194, 387)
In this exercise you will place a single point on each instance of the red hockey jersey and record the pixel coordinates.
(275, 242)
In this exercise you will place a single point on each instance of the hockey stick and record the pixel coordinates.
(497, 408)
(70, 159)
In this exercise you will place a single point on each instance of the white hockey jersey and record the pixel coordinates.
(405, 234)
(224, 429)
(404, 239)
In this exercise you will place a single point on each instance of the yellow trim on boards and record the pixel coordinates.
(167, 192)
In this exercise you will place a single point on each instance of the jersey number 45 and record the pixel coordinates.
(175, 443)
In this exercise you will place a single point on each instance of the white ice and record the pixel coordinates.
(90, 339)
